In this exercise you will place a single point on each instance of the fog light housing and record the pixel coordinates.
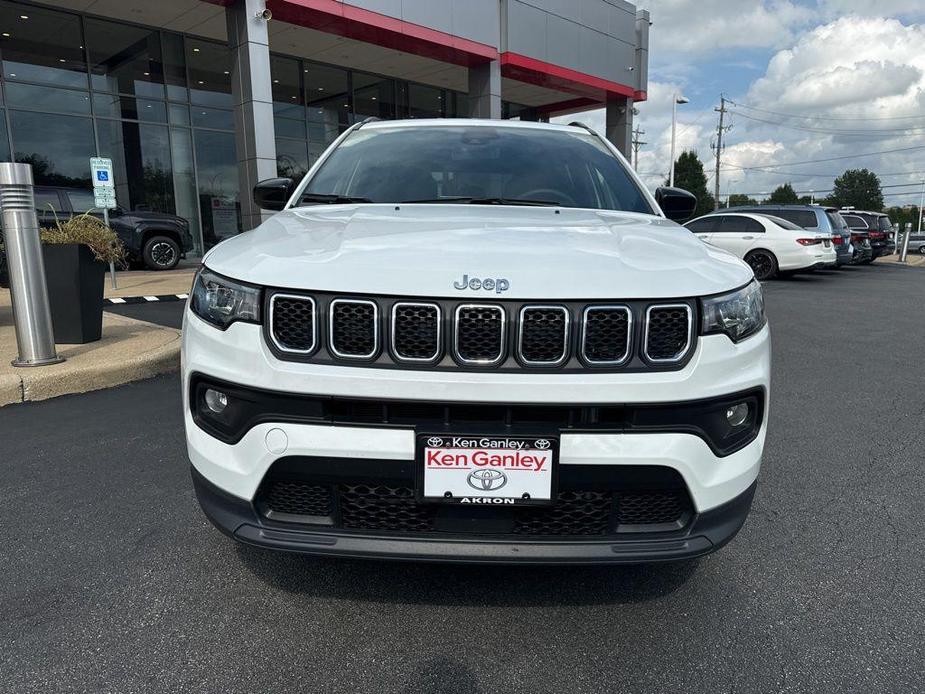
(737, 415)
(216, 401)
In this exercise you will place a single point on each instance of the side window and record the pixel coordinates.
(81, 200)
(47, 206)
(736, 224)
(803, 218)
(701, 226)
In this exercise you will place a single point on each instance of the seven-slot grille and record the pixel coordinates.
(508, 335)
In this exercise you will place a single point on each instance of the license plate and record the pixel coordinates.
(492, 470)
(827, 243)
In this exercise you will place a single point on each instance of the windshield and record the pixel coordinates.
(475, 164)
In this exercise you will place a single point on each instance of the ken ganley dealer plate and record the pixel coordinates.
(487, 469)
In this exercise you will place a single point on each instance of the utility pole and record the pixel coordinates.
(637, 143)
(718, 147)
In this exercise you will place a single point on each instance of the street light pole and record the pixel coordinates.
(675, 100)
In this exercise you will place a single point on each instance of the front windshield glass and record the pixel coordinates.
(475, 164)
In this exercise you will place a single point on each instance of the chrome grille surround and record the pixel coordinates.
(332, 337)
(565, 334)
(479, 361)
(438, 342)
(614, 308)
(314, 323)
(678, 356)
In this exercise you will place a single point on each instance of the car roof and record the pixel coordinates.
(776, 206)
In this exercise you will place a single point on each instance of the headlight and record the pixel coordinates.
(221, 301)
(738, 314)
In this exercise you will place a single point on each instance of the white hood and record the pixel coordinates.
(422, 250)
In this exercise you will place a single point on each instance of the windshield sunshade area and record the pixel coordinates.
(476, 165)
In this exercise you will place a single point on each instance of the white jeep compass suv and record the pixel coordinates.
(466, 340)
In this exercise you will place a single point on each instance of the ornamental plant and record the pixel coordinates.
(91, 232)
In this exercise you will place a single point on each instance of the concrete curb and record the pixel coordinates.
(43, 383)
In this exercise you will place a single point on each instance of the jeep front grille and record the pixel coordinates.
(354, 328)
(384, 332)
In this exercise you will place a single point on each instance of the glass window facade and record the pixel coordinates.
(159, 104)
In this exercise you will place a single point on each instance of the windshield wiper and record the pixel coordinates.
(330, 198)
(467, 200)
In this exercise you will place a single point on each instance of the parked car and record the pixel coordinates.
(475, 341)
(158, 240)
(917, 243)
(879, 229)
(812, 218)
(768, 244)
(860, 238)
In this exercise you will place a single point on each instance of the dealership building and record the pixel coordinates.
(197, 100)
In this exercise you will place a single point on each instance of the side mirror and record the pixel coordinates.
(273, 193)
(677, 204)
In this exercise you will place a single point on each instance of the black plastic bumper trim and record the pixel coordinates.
(237, 518)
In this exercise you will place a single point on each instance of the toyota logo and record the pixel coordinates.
(487, 480)
(542, 444)
(434, 441)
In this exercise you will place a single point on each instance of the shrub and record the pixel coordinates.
(91, 232)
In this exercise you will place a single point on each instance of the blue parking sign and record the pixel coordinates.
(102, 175)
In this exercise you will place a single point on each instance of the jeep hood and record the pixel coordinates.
(423, 250)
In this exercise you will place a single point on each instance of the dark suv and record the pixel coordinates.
(879, 230)
(158, 240)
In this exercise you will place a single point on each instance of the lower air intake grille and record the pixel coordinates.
(381, 507)
(354, 332)
(416, 331)
(544, 335)
(293, 323)
(575, 513)
(650, 507)
(667, 332)
(299, 498)
(480, 334)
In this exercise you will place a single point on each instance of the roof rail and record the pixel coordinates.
(371, 119)
(579, 124)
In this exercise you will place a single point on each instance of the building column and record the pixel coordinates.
(255, 139)
(485, 90)
(619, 123)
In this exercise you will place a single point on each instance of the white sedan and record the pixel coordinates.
(768, 244)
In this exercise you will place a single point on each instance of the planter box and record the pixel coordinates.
(75, 292)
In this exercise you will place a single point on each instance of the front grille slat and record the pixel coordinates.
(293, 323)
(606, 335)
(544, 333)
(668, 332)
(480, 334)
(416, 331)
(354, 328)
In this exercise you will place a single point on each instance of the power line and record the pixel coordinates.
(730, 167)
(918, 184)
(912, 130)
(816, 117)
(847, 156)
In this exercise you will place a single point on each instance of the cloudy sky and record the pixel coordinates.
(810, 81)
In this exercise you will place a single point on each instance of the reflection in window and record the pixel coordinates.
(4, 139)
(184, 178)
(140, 156)
(58, 147)
(81, 200)
(217, 173)
(291, 158)
(111, 106)
(219, 119)
(174, 67)
(327, 97)
(44, 47)
(47, 98)
(209, 73)
(124, 59)
(425, 102)
(373, 96)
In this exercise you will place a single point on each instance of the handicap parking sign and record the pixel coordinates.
(102, 175)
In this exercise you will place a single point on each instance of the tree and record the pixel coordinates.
(688, 174)
(784, 195)
(858, 188)
(738, 200)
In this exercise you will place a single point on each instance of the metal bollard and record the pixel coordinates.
(35, 337)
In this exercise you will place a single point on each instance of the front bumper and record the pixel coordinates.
(708, 532)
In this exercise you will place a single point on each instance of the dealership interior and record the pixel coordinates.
(160, 102)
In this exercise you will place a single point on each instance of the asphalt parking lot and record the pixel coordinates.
(113, 581)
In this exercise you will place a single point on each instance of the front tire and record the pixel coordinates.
(763, 264)
(161, 253)
(922, 250)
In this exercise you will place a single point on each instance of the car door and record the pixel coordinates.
(738, 234)
(703, 228)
